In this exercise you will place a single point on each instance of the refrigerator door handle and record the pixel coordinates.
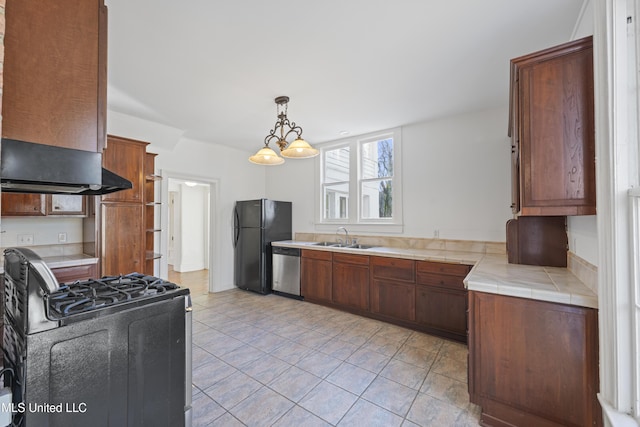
(236, 228)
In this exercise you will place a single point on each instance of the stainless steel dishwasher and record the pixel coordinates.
(286, 271)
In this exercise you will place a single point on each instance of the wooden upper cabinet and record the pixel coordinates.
(126, 157)
(18, 204)
(552, 131)
(55, 73)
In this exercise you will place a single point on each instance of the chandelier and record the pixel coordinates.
(283, 129)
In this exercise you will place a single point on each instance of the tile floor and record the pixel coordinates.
(269, 360)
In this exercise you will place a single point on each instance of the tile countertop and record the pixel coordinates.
(491, 273)
(64, 261)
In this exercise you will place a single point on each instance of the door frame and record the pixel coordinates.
(214, 222)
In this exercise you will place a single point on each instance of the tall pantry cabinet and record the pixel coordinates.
(128, 216)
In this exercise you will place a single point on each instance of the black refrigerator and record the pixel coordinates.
(257, 223)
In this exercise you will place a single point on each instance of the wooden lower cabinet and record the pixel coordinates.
(350, 286)
(316, 275)
(393, 289)
(533, 363)
(422, 295)
(123, 238)
(442, 311)
(394, 299)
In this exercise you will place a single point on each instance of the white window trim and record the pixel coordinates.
(354, 222)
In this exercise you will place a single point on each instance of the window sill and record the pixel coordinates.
(370, 227)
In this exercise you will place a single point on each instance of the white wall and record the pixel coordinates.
(236, 179)
(193, 219)
(456, 179)
(44, 230)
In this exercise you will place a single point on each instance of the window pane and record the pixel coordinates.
(336, 201)
(377, 159)
(376, 199)
(336, 165)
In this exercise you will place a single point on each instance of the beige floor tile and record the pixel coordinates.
(298, 417)
(205, 410)
(446, 389)
(233, 389)
(328, 401)
(294, 383)
(369, 360)
(319, 364)
(390, 395)
(262, 408)
(429, 411)
(364, 413)
(416, 356)
(351, 378)
(259, 354)
(404, 373)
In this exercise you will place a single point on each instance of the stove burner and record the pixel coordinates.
(82, 296)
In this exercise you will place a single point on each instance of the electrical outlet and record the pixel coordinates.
(25, 239)
(62, 237)
(436, 233)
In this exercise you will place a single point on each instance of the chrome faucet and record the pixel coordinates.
(346, 235)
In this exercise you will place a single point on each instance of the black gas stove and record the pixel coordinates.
(119, 347)
(76, 301)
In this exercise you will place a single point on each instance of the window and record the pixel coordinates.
(360, 181)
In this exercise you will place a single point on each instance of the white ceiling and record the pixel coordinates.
(212, 68)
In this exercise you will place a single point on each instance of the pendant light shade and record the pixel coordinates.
(298, 149)
(266, 156)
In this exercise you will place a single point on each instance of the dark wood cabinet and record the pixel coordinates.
(441, 298)
(123, 241)
(393, 289)
(422, 295)
(54, 73)
(124, 237)
(78, 272)
(551, 125)
(350, 286)
(533, 363)
(316, 275)
(18, 204)
(126, 157)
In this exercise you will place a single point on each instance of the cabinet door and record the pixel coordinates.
(55, 73)
(394, 299)
(18, 204)
(126, 157)
(315, 279)
(555, 130)
(65, 204)
(122, 238)
(442, 309)
(535, 358)
(351, 283)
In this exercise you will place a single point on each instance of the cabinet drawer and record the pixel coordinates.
(393, 268)
(311, 253)
(442, 268)
(351, 259)
(71, 274)
(453, 282)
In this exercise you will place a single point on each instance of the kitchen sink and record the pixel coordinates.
(342, 245)
(327, 244)
(360, 246)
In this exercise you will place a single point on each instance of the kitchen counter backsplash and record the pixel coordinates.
(498, 248)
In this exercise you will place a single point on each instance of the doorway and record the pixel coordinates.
(188, 237)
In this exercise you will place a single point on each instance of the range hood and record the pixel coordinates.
(45, 169)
